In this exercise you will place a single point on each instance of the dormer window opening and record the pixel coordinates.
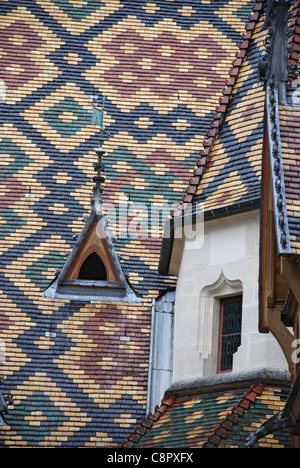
(93, 269)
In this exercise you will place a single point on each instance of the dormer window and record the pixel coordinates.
(93, 270)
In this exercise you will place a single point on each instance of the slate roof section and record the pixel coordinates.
(229, 167)
(227, 178)
(289, 118)
(74, 380)
(212, 420)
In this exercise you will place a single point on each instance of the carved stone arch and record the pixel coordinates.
(208, 318)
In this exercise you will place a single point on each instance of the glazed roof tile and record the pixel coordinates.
(212, 420)
(66, 362)
(158, 105)
(230, 166)
(289, 118)
(294, 39)
(229, 169)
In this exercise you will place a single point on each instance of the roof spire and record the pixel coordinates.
(98, 119)
(274, 61)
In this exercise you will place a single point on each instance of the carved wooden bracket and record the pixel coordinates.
(282, 334)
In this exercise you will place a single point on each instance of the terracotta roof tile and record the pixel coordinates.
(214, 420)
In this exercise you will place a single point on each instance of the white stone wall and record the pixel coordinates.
(226, 264)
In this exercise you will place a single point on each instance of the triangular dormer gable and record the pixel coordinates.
(93, 270)
(93, 242)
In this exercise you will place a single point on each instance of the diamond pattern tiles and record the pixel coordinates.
(232, 173)
(151, 65)
(289, 118)
(78, 371)
(213, 420)
(26, 44)
(62, 118)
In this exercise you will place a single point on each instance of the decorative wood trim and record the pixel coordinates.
(282, 335)
(94, 238)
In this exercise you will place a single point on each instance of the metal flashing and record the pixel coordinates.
(229, 380)
(92, 292)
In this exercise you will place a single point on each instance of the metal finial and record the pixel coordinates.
(98, 119)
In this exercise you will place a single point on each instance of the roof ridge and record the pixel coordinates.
(147, 423)
(221, 109)
(232, 418)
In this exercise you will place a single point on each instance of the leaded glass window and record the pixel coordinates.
(230, 331)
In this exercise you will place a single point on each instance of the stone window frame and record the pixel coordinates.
(209, 318)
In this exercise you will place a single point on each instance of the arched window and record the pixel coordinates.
(93, 269)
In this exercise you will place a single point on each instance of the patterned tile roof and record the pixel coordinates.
(294, 39)
(3, 410)
(228, 172)
(230, 163)
(283, 122)
(212, 420)
(161, 66)
(229, 169)
(289, 118)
